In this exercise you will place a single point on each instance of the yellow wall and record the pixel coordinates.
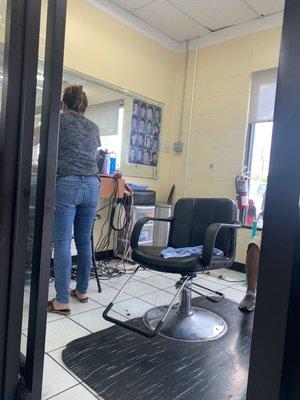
(219, 118)
(102, 47)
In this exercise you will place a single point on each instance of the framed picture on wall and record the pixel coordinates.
(145, 133)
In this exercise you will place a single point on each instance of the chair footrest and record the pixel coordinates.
(147, 333)
(216, 299)
(216, 296)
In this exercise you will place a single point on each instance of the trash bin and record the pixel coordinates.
(161, 229)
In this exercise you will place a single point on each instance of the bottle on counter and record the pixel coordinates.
(106, 168)
(100, 158)
(254, 229)
(113, 163)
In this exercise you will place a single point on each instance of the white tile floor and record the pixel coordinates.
(148, 289)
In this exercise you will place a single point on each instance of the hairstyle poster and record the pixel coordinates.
(145, 132)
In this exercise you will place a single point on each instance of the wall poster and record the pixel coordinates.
(145, 132)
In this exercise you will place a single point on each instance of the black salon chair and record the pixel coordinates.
(208, 222)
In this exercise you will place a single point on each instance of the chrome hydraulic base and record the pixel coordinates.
(185, 322)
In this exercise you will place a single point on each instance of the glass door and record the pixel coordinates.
(33, 176)
(29, 30)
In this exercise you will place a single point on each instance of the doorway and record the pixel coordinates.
(31, 102)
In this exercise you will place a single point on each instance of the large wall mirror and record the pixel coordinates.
(124, 131)
(115, 111)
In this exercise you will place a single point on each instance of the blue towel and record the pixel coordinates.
(171, 252)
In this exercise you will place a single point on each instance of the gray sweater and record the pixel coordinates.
(78, 142)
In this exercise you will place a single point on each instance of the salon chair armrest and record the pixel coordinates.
(134, 241)
(210, 240)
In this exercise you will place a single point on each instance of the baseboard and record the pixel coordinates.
(239, 267)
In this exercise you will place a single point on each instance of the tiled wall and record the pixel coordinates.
(219, 116)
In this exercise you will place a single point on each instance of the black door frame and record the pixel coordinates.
(275, 356)
(16, 132)
(16, 140)
(51, 103)
(31, 47)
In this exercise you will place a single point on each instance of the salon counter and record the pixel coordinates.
(111, 187)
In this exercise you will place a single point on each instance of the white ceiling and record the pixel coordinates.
(171, 21)
(180, 20)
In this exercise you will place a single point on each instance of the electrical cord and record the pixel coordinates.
(101, 244)
(127, 230)
(223, 278)
(107, 270)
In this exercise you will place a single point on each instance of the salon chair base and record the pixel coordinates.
(184, 321)
(201, 326)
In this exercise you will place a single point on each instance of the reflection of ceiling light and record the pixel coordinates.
(40, 78)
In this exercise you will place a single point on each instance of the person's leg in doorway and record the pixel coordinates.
(64, 214)
(83, 225)
(252, 264)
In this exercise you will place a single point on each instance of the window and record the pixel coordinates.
(108, 115)
(113, 143)
(257, 163)
(258, 146)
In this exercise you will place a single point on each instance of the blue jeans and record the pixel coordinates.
(76, 200)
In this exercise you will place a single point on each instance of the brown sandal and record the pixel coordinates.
(53, 310)
(74, 294)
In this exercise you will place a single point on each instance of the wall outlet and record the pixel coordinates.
(178, 147)
(165, 148)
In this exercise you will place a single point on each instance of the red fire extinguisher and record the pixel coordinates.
(242, 191)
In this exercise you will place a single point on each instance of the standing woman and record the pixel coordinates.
(76, 198)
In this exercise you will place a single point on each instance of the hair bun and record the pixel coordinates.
(75, 98)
